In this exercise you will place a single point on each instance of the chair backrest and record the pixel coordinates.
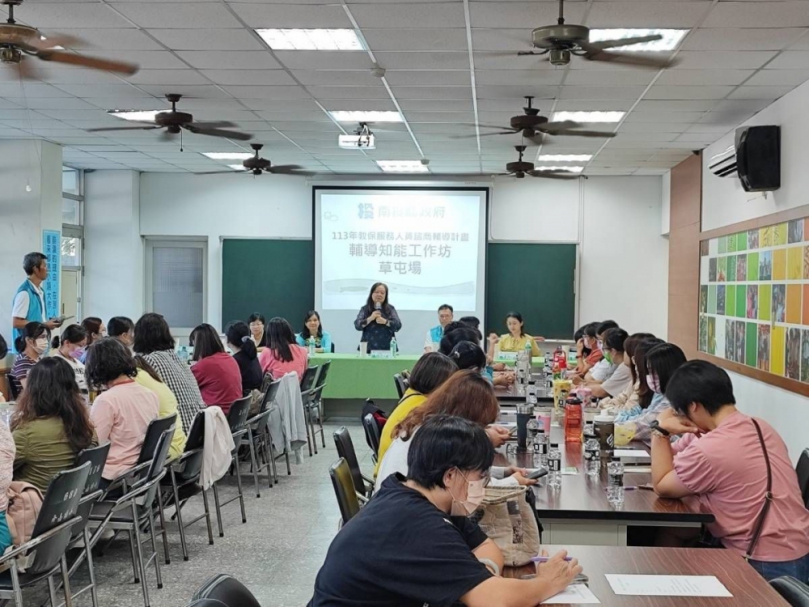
(153, 433)
(345, 449)
(270, 395)
(196, 436)
(237, 416)
(227, 590)
(14, 393)
(308, 379)
(344, 490)
(795, 592)
(400, 385)
(60, 504)
(803, 475)
(97, 457)
(266, 381)
(157, 467)
(371, 432)
(324, 373)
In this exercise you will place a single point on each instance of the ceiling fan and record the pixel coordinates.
(174, 122)
(533, 127)
(256, 166)
(17, 41)
(562, 40)
(521, 168)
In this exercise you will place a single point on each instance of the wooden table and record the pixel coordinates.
(748, 588)
(579, 513)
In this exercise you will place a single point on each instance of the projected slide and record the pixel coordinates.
(425, 245)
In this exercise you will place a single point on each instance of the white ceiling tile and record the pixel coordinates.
(741, 39)
(409, 15)
(524, 78)
(644, 14)
(647, 116)
(336, 77)
(349, 92)
(741, 105)
(318, 60)
(440, 117)
(594, 104)
(650, 127)
(501, 39)
(65, 14)
(432, 105)
(607, 78)
(367, 104)
(770, 93)
(267, 15)
(599, 92)
(688, 92)
(428, 78)
(790, 60)
(704, 77)
(62, 103)
(424, 92)
(698, 105)
(208, 39)
(522, 15)
(203, 92)
(176, 14)
(168, 77)
(758, 14)
(516, 93)
(410, 39)
(699, 60)
(779, 77)
(249, 77)
(423, 61)
(102, 90)
(30, 90)
(229, 60)
(725, 117)
(498, 60)
(118, 39)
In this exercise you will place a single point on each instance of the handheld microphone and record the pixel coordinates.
(377, 305)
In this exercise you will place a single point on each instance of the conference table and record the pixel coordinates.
(579, 513)
(748, 588)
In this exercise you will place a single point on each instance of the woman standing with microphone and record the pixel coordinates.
(377, 319)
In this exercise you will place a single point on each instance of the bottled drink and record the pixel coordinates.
(311, 347)
(554, 466)
(605, 432)
(615, 482)
(540, 449)
(573, 421)
(393, 347)
(592, 460)
(531, 394)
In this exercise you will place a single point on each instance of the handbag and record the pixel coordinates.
(508, 519)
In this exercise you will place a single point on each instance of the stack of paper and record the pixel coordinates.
(667, 585)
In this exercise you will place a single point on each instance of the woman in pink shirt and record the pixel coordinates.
(121, 413)
(720, 459)
(282, 354)
(217, 372)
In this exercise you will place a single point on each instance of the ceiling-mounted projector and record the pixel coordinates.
(357, 141)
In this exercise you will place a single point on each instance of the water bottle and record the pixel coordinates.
(592, 459)
(555, 467)
(615, 482)
(393, 347)
(311, 347)
(184, 354)
(540, 449)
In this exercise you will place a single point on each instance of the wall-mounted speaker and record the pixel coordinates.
(758, 157)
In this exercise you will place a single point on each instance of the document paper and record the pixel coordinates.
(667, 585)
(576, 594)
(632, 453)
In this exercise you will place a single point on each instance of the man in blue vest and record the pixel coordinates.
(435, 334)
(29, 302)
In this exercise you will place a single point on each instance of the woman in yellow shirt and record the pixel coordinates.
(516, 338)
(429, 372)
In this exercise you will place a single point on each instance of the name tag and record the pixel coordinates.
(381, 354)
(507, 356)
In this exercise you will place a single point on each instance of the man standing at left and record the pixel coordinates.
(29, 302)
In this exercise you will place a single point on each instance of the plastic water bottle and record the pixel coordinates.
(184, 354)
(540, 449)
(393, 347)
(554, 466)
(592, 458)
(311, 347)
(615, 483)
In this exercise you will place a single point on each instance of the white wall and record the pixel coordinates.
(535, 210)
(665, 219)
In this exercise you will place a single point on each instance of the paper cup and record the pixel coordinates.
(363, 348)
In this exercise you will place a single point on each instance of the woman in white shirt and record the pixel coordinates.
(465, 394)
(72, 346)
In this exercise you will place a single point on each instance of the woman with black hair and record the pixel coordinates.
(313, 329)
(282, 355)
(95, 330)
(122, 412)
(123, 329)
(31, 344)
(72, 346)
(149, 379)
(469, 355)
(245, 355)
(154, 342)
(628, 399)
(258, 330)
(516, 339)
(378, 319)
(51, 424)
(217, 374)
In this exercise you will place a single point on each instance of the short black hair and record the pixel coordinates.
(699, 381)
(430, 371)
(663, 360)
(451, 338)
(256, 316)
(591, 329)
(32, 261)
(446, 307)
(238, 334)
(119, 325)
(445, 442)
(73, 334)
(615, 338)
(472, 321)
(205, 341)
(468, 355)
(32, 330)
(152, 334)
(108, 359)
(606, 326)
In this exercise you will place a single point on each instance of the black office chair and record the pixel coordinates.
(237, 419)
(795, 593)
(344, 490)
(345, 449)
(257, 439)
(803, 475)
(227, 591)
(308, 396)
(12, 387)
(317, 403)
(371, 434)
(401, 386)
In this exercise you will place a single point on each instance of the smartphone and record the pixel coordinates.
(537, 474)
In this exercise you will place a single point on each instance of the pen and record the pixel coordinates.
(545, 559)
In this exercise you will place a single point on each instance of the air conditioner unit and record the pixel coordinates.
(724, 163)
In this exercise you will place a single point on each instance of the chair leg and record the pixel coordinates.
(312, 427)
(272, 471)
(163, 530)
(207, 516)
(139, 550)
(90, 568)
(134, 556)
(308, 434)
(156, 555)
(178, 512)
(320, 423)
(253, 459)
(51, 592)
(241, 491)
(15, 584)
(65, 582)
(218, 510)
(286, 456)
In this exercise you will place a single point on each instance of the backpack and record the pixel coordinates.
(24, 504)
(379, 415)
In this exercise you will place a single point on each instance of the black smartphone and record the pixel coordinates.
(537, 474)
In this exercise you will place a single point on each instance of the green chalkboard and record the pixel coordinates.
(537, 280)
(271, 277)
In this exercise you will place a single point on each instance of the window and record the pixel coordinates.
(176, 282)
(72, 271)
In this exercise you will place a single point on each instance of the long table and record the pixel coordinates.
(579, 513)
(748, 588)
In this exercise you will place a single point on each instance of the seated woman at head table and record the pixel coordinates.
(378, 319)
(514, 341)
(257, 324)
(313, 329)
(731, 462)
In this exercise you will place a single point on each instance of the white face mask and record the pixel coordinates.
(40, 345)
(475, 492)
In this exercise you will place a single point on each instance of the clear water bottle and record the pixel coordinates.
(592, 466)
(554, 467)
(393, 347)
(311, 347)
(540, 449)
(184, 354)
(615, 482)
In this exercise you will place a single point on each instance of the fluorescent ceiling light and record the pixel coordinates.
(136, 115)
(359, 116)
(311, 39)
(564, 157)
(561, 169)
(228, 155)
(237, 167)
(589, 116)
(671, 38)
(402, 166)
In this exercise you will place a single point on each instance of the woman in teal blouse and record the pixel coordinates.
(313, 329)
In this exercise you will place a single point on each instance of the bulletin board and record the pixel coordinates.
(754, 301)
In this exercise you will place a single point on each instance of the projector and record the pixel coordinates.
(353, 142)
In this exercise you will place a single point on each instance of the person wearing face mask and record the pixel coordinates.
(122, 329)
(72, 345)
(414, 545)
(588, 354)
(614, 353)
(31, 344)
(95, 330)
(730, 462)
(628, 399)
(661, 361)
(602, 370)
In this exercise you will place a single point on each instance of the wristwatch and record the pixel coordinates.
(655, 426)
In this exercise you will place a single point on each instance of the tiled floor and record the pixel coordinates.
(276, 554)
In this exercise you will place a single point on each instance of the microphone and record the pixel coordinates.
(377, 305)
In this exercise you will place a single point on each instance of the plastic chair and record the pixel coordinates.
(227, 590)
(345, 449)
(371, 434)
(237, 419)
(400, 385)
(796, 593)
(49, 540)
(344, 490)
(803, 475)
